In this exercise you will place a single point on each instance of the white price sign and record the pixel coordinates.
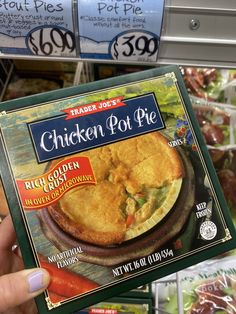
(51, 41)
(120, 30)
(135, 46)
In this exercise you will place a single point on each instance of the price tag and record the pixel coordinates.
(42, 28)
(135, 46)
(112, 29)
(120, 30)
(51, 41)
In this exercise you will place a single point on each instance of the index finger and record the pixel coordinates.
(7, 234)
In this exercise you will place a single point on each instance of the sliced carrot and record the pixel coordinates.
(130, 220)
(67, 283)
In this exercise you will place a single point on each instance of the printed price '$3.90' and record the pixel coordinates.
(135, 46)
(51, 41)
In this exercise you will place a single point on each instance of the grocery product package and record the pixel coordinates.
(206, 288)
(110, 186)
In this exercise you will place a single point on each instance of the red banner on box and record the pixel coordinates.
(94, 107)
(39, 192)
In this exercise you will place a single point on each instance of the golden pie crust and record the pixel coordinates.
(138, 182)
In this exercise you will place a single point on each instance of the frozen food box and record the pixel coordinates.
(4, 210)
(119, 306)
(110, 186)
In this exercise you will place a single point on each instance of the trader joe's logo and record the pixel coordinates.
(87, 126)
(94, 107)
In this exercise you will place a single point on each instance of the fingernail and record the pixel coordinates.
(36, 281)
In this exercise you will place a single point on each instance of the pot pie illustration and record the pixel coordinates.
(138, 182)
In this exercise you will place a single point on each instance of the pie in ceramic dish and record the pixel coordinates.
(138, 183)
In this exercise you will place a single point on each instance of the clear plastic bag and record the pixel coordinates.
(206, 288)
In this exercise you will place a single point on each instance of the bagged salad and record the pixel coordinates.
(206, 288)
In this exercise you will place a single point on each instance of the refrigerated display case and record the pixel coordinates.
(197, 34)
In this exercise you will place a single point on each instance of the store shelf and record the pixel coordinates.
(193, 34)
(197, 34)
(167, 280)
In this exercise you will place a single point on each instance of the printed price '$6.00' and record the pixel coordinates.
(135, 46)
(51, 41)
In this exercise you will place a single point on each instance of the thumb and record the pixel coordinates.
(19, 287)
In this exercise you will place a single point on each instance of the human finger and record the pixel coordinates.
(19, 287)
(7, 234)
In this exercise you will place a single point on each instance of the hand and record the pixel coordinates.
(18, 287)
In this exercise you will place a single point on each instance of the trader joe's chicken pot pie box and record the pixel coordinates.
(110, 186)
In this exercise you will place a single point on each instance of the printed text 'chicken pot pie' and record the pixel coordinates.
(138, 182)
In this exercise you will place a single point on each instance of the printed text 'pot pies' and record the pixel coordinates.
(138, 182)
